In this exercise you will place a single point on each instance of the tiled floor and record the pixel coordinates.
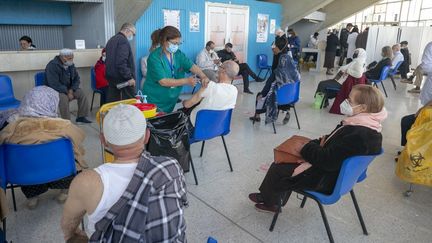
(219, 206)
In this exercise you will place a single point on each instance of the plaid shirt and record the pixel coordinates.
(151, 208)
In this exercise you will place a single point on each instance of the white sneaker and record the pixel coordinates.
(61, 198)
(32, 203)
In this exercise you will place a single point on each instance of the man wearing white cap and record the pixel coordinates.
(62, 76)
(142, 195)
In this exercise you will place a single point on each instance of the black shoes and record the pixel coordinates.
(259, 80)
(82, 120)
(247, 92)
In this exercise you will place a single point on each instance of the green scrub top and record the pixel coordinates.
(158, 68)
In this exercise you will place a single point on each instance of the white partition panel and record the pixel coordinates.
(371, 43)
(414, 37)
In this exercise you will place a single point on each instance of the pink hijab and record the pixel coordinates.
(370, 120)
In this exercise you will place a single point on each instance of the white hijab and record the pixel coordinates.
(357, 67)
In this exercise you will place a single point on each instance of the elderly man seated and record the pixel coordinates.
(136, 198)
(61, 75)
(214, 96)
(208, 61)
(397, 55)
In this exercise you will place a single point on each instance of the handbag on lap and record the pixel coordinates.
(289, 151)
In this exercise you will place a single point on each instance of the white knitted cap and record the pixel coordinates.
(124, 125)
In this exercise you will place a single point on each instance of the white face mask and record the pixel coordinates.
(346, 108)
(103, 58)
(211, 51)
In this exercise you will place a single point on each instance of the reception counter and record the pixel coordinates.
(21, 66)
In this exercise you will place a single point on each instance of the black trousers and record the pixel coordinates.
(245, 72)
(278, 180)
(36, 190)
(404, 70)
(331, 83)
(406, 124)
(343, 54)
(103, 95)
(115, 94)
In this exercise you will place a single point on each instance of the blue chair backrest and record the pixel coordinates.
(394, 70)
(353, 169)
(289, 93)
(6, 90)
(2, 169)
(39, 78)
(211, 123)
(384, 73)
(39, 163)
(262, 61)
(93, 79)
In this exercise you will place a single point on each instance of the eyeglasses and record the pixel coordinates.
(176, 43)
(133, 32)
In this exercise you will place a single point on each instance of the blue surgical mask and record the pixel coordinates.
(130, 38)
(172, 48)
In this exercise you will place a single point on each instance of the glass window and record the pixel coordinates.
(414, 10)
(427, 4)
(393, 11)
(426, 14)
(380, 8)
(404, 12)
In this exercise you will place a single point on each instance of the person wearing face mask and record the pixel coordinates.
(294, 44)
(279, 47)
(166, 69)
(120, 64)
(322, 158)
(101, 82)
(62, 76)
(353, 72)
(208, 61)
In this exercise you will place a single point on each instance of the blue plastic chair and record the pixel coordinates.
(93, 86)
(393, 72)
(210, 124)
(36, 164)
(262, 63)
(352, 172)
(287, 96)
(7, 98)
(384, 74)
(39, 79)
(3, 186)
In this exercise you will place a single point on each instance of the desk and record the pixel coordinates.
(21, 66)
(319, 61)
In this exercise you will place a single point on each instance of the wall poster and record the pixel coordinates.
(194, 22)
(171, 17)
(272, 26)
(262, 28)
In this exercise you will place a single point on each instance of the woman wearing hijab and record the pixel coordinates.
(35, 122)
(355, 69)
(322, 159)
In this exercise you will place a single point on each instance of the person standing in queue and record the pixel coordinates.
(166, 67)
(120, 65)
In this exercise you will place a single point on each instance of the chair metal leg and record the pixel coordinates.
(274, 128)
(392, 79)
(303, 202)
(193, 171)
(82, 225)
(326, 224)
(409, 191)
(4, 229)
(276, 215)
(202, 148)
(295, 113)
(91, 106)
(268, 70)
(385, 92)
(259, 73)
(358, 212)
(227, 154)
(13, 198)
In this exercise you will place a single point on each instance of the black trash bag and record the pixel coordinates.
(169, 136)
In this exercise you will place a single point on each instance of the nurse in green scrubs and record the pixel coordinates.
(166, 68)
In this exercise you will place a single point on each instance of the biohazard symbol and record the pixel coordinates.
(416, 160)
